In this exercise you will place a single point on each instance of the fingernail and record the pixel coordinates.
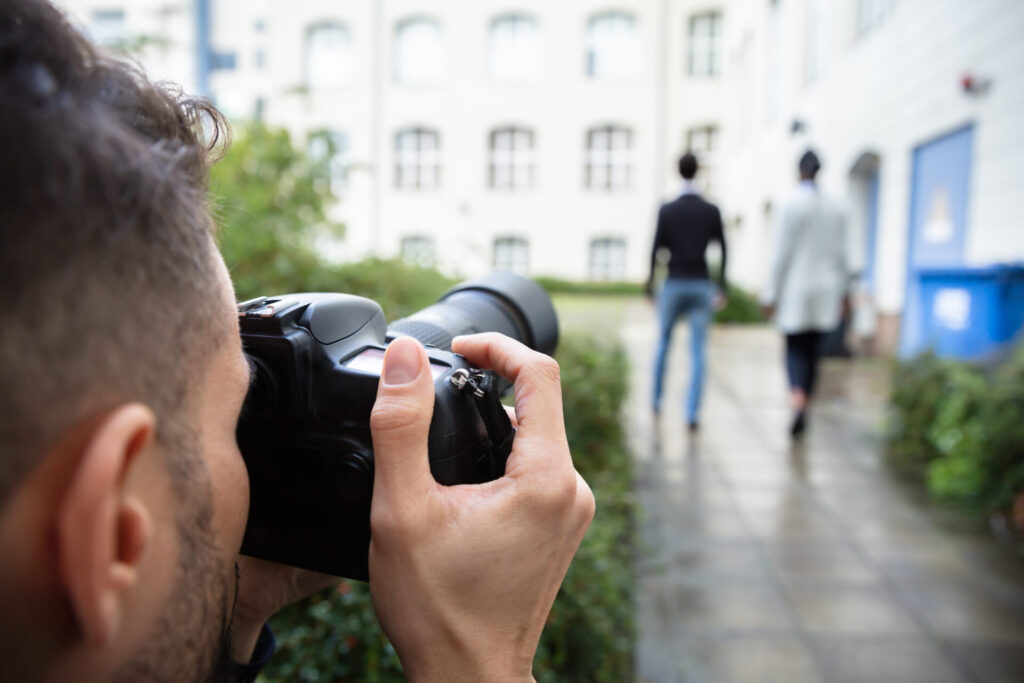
(402, 362)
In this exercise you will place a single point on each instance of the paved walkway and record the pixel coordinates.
(763, 562)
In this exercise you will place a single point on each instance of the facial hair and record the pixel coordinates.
(191, 637)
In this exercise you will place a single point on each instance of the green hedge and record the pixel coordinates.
(959, 429)
(590, 633)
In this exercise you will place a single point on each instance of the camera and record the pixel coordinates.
(304, 431)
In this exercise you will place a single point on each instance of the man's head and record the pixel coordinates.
(688, 166)
(122, 493)
(809, 165)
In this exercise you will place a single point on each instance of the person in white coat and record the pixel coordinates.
(808, 281)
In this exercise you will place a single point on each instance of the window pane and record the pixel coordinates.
(705, 44)
(107, 27)
(613, 50)
(609, 158)
(419, 251)
(511, 253)
(332, 146)
(513, 50)
(417, 159)
(607, 259)
(511, 159)
(328, 56)
(419, 52)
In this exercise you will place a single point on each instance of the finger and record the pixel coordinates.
(400, 422)
(535, 377)
(512, 416)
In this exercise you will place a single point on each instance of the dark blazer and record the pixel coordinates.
(685, 227)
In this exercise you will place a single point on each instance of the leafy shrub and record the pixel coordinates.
(741, 307)
(917, 389)
(960, 429)
(555, 285)
(590, 633)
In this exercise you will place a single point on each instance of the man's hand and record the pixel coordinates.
(264, 588)
(463, 577)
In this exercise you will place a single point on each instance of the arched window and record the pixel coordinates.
(511, 164)
(607, 258)
(328, 56)
(514, 53)
(418, 250)
(609, 158)
(512, 253)
(331, 146)
(417, 159)
(419, 52)
(613, 49)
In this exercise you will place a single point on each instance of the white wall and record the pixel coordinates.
(887, 92)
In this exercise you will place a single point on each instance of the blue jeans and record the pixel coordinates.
(693, 299)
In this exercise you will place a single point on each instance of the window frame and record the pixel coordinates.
(511, 168)
(520, 248)
(417, 153)
(405, 68)
(607, 57)
(707, 45)
(614, 269)
(613, 176)
(343, 55)
(533, 70)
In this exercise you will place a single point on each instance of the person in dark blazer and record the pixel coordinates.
(685, 227)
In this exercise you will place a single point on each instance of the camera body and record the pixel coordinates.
(304, 431)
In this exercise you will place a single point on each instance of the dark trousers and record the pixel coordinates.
(803, 351)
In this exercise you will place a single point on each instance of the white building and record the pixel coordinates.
(541, 136)
(475, 134)
(931, 169)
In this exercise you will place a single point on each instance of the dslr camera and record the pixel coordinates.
(304, 431)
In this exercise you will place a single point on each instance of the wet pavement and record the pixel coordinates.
(760, 561)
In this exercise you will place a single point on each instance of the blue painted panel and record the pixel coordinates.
(940, 190)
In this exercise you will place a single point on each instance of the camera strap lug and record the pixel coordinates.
(500, 432)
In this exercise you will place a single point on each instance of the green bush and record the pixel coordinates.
(555, 285)
(741, 307)
(959, 428)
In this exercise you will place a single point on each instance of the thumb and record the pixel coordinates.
(400, 421)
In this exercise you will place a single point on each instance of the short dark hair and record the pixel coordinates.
(107, 258)
(809, 165)
(688, 165)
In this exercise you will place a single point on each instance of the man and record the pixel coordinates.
(123, 496)
(685, 227)
(807, 284)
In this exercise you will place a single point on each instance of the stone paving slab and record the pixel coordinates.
(760, 561)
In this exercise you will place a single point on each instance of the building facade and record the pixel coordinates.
(473, 135)
(541, 137)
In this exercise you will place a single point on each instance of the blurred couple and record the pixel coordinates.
(806, 291)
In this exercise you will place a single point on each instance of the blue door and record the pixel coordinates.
(939, 192)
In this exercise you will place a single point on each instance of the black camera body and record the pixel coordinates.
(304, 431)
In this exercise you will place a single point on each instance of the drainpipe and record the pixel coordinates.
(202, 49)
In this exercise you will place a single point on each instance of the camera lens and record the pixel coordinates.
(498, 302)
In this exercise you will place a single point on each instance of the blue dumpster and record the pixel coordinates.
(969, 313)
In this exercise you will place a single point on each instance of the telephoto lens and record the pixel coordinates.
(497, 302)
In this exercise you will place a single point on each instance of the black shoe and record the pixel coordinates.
(799, 425)
(693, 427)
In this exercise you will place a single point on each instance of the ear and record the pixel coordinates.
(101, 534)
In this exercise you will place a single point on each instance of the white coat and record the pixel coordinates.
(810, 267)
